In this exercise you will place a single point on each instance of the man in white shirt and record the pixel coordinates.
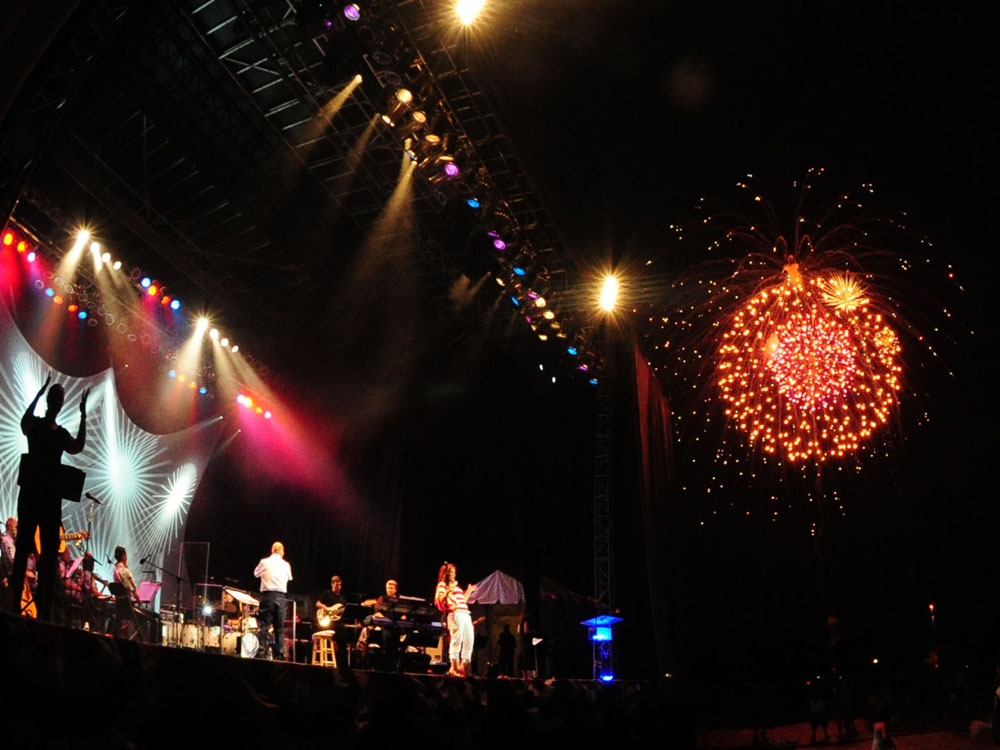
(274, 574)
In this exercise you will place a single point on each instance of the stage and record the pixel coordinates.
(105, 692)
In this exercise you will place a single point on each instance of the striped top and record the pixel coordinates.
(450, 598)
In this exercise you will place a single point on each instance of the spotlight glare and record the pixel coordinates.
(82, 237)
(224, 342)
(82, 315)
(72, 308)
(214, 334)
(50, 292)
(117, 265)
(472, 202)
(146, 281)
(468, 10)
(22, 246)
(153, 289)
(499, 244)
(8, 239)
(203, 390)
(405, 96)
(234, 349)
(358, 78)
(202, 325)
(95, 248)
(451, 169)
(572, 350)
(548, 315)
(171, 373)
(106, 258)
(593, 381)
(540, 302)
(609, 293)
(32, 256)
(352, 12)
(519, 271)
(175, 304)
(267, 415)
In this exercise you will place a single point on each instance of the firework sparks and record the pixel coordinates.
(804, 380)
(843, 291)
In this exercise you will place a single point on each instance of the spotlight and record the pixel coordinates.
(472, 202)
(214, 334)
(82, 315)
(153, 289)
(224, 342)
(165, 299)
(50, 292)
(540, 302)
(203, 390)
(202, 325)
(609, 293)
(82, 237)
(146, 281)
(267, 415)
(22, 246)
(95, 248)
(234, 349)
(175, 304)
(240, 399)
(499, 244)
(518, 271)
(8, 239)
(352, 12)
(593, 381)
(548, 315)
(516, 302)
(468, 10)
(171, 373)
(72, 308)
(32, 256)
(572, 350)
(117, 265)
(405, 96)
(207, 610)
(106, 258)
(451, 169)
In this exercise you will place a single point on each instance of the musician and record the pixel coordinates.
(274, 573)
(41, 507)
(123, 604)
(449, 598)
(390, 633)
(7, 553)
(331, 603)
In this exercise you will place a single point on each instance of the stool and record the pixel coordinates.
(323, 653)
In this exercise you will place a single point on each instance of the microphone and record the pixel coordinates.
(90, 496)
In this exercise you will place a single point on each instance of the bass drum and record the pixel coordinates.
(249, 645)
(212, 635)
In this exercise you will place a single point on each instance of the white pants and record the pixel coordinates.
(462, 636)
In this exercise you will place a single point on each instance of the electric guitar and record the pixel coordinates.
(75, 536)
(327, 616)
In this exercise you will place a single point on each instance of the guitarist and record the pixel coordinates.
(38, 504)
(330, 605)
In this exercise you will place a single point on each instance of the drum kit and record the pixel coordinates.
(238, 635)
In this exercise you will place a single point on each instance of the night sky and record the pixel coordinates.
(446, 441)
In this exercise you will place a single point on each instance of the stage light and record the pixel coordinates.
(165, 299)
(50, 292)
(72, 308)
(451, 169)
(518, 271)
(22, 246)
(609, 293)
(207, 610)
(499, 244)
(203, 390)
(593, 381)
(95, 249)
(468, 10)
(234, 349)
(192, 385)
(171, 373)
(607, 677)
(500, 281)
(540, 302)
(153, 289)
(583, 367)
(548, 315)
(260, 410)
(146, 281)
(175, 304)
(202, 325)
(472, 203)
(8, 239)
(404, 95)
(58, 299)
(240, 398)
(214, 334)
(181, 377)
(543, 337)
(32, 256)
(352, 12)
(82, 315)
(117, 265)
(358, 78)
(572, 350)
(516, 302)
(267, 415)
(224, 342)
(106, 258)
(82, 237)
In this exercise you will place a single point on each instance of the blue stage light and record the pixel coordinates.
(203, 390)
(82, 315)
(515, 301)
(518, 270)
(146, 281)
(593, 381)
(172, 373)
(472, 202)
(571, 350)
(175, 304)
(50, 292)
(607, 677)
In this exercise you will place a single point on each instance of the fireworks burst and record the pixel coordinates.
(803, 380)
(788, 353)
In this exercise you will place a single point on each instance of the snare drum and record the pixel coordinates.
(250, 625)
(191, 636)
